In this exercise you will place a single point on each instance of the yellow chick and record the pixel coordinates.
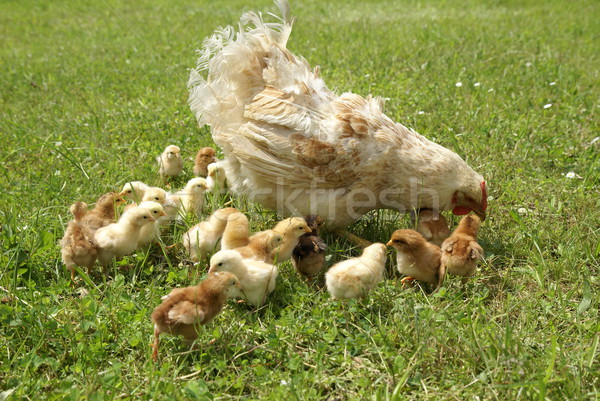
(237, 232)
(461, 252)
(354, 278)
(262, 246)
(256, 278)
(291, 229)
(104, 212)
(170, 162)
(203, 238)
(191, 198)
(150, 232)
(204, 157)
(417, 258)
(216, 178)
(432, 225)
(78, 246)
(121, 238)
(186, 308)
(134, 190)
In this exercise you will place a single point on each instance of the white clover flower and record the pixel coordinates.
(596, 139)
(522, 211)
(547, 106)
(458, 84)
(528, 64)
(572, 174)
(491, 90)
(476, 84)
(552, 83)
(421, 112)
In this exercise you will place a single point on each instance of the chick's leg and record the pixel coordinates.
(154, 345)
(407, 281)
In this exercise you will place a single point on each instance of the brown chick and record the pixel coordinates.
(103, 212)
(78, 246)
(261, 246)
(417, 258)
(237, 232)
(461, 252)
(187, 308)
(204, 157)
(308, 256)
(432, 225)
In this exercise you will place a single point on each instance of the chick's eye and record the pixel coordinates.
(129, 191)
(156, 198)
(220, 264)
(145, 217)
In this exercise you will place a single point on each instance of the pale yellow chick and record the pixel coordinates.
(216, 178)
(256, 278)
(291, 229)
(121, 238)
(170, 162)
(461, 252)
(354, 278)
(203, 238)
(237, 231)
(151, 231)
(191, 198)
(134, 190)
(262, 246)
(78, 246)
(187, 308)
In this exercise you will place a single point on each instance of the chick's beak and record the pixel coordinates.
(211, 270)
(151, 219)
(389, 243)
(162, 213)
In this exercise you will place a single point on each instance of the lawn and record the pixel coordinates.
(92, 92)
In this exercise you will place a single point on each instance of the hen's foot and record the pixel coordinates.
(407, 281)
(353, 238)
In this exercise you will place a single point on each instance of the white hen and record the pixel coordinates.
(293, 145)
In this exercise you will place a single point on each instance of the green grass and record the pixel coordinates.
(91, 92)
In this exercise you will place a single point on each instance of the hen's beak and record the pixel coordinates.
(480, 213)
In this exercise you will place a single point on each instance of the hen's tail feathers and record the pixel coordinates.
(233, 67)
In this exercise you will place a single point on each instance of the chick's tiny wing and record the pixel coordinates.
(186, 312)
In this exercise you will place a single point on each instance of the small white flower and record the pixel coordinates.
(458, 84)
(552, 83)
(367, 75)
(547, 106)
(522, 211)
(491, 90)
(58, 143)
(421, 112)
(571, 174)
(476, 84)
(490, 198)
(57, 173)
(284, 382)
(387, 99)
(528, 64)
(596, 139)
